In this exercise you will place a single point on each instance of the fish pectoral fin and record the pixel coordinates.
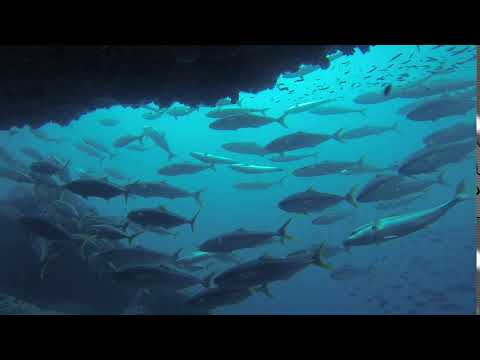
(391, 237)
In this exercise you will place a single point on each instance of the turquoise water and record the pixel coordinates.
(451, 259)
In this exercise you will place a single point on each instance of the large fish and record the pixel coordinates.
(254, 169)
(149, 189)
(244, 239)
(332, 217)
(193, 261)
(16, 175)
(250, 148)
(98, 146)
(301, 140)
(96, 188)
(212, 159)
(224, 112)
(393, 186)
(218, 297)
(305, 107)
(160, 139)
(258, 185)
(160, 216)
(32, 153)
(431, 158)
(87, 149)
(127, 139)
(185, 168)
(42, 135)
(458, 132)
(48, 167)
(266, 269)
(112, 233)
(336, 110)
(442, 107)
(313, 201)
(434, 88)
(394, 227)
(289, 158)
(108, 122)
(369, 131)
(243, 121)
(402, 202)
(329, 168)
(178, 110)
(116, 174)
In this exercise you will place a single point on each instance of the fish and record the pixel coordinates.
(42, 135)
(104, 231)
(48, 167)
(311, 201)
(16, 175)
(302, 71)
(424, 88)
(257, 185)
(159, 139)
(218, 297)
(148, 189)
(127, 139)
(224, 101)
(266, 269)
(301, 139)
(431, 158)
(242, 121)
(328, 168)
(396, 56)
(254, 169)
(117, 175)
(96, 188)
(349, 272)
(32, 153)
(98, 146)
(387, 90)
(225, 112)
(160, 216)
(154, 114)
(332, 217)
(108, 122)
(394, 186)
(442, 107)
(211, 159)
(185, 168)
(304, 107)
(87, 149)
(125, 257)
(369, 131)
(192, 261)
(65, 209)
(289, 158)
(179, 110)
(250, 148)
(394, 227)
(245, 239)
(138, 147)
(147, 276)
(336, 110)
(6, 157)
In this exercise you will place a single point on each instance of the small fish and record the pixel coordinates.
(127, 139)
(395, 57)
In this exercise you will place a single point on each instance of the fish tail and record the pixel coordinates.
(281, 120)
(351, 197)
(361, 162)
(461, 193)
(212, 167)
(176, 255)
(282, 232)
(264, 289)
(66, 165)
(171, 156)
(207, 280)
(84, 243)
(318, 258)
(140, 137)
(282, 180)
(196, 196)
(441, 179)
(112, 266)
(192, 222)
(362, 111)
(131, 237)
(339, 136)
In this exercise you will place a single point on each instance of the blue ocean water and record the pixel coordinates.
(407, 271)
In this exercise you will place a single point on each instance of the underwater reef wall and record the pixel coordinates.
(58, 84)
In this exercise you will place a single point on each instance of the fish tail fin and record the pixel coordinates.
(112, 266)
(44, 264)
(281, 120)
(282, 232)
(395, 128)
(265, 290)
(197, 196)
(318, 258)
(140, 137)
(84, 243)
(362, 161)
(339, 136)
(133, 236)
(441, 179)
(171, 156)
(207, 280)
(176, 255)
(362, 111)
(461, 193)
(192, 222)
(282, 180)
(212, 167)
(66, 165)
(351, 197)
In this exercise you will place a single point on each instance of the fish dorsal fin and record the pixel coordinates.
(311, 189)
(242, 230)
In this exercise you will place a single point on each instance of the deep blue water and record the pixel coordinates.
(450, 256)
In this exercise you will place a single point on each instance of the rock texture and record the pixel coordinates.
(59, 84)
